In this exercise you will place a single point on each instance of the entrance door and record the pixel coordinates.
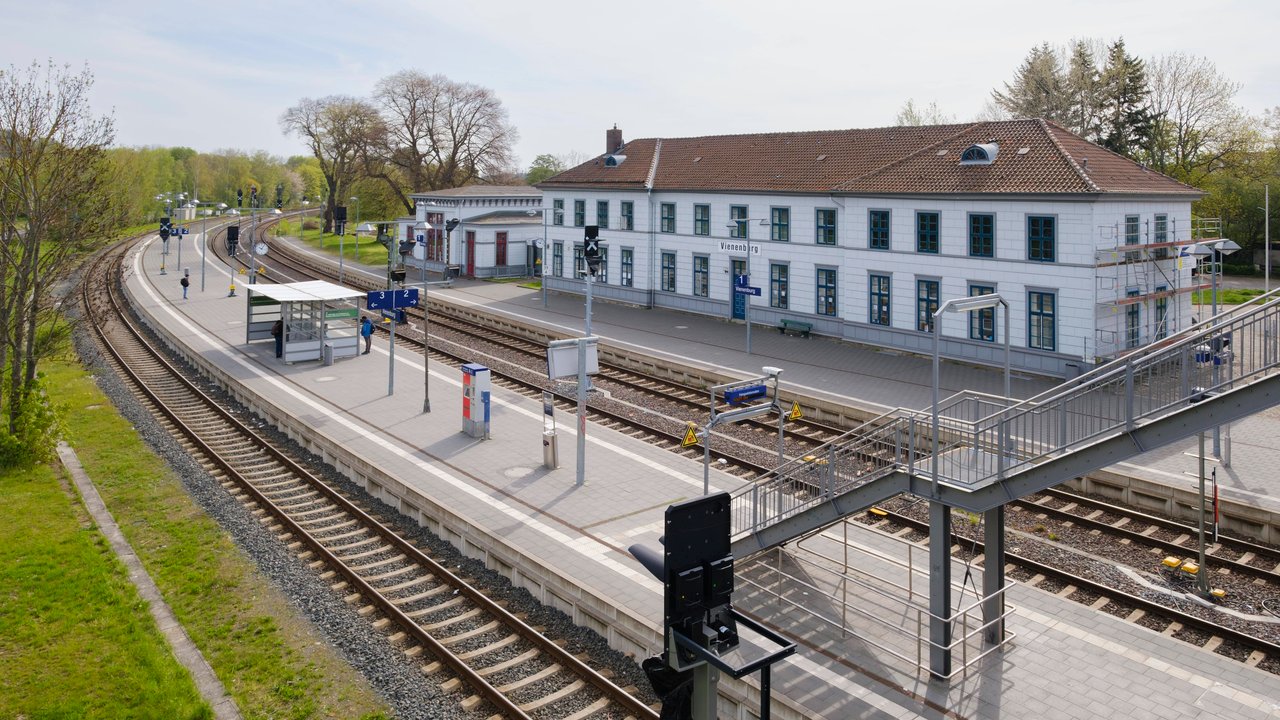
(739, 300)
(470, 268)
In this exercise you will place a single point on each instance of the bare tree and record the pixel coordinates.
(56, 200)
(438, 134)
(1197, 121)
(338, 129)
(912, 114)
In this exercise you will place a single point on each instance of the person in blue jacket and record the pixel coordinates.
(366, 332)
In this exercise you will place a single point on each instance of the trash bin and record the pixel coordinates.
(326, 353)
(550, 456)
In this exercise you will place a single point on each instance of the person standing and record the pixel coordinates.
(185, 282)
(277, 332)
(366, 332)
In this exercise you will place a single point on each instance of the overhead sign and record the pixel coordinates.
(392, 299)
(562, 358)
(739, 247)
(690, 436)
(740, 395)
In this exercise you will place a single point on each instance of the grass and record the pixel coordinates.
(93, 650)
(1233, 296)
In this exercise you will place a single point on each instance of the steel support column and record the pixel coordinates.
(993, 574)
(939, 589)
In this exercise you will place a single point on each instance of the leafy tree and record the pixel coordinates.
(1127, 123)
(912, 114)
(543, 167)
(1197, 123)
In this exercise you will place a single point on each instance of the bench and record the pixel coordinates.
(799, 327)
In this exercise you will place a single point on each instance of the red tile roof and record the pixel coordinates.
(906, 160)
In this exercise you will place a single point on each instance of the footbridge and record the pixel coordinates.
(989, 450)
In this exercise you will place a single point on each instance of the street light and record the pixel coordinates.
(422, 227)
(555, 212)
(740, 228)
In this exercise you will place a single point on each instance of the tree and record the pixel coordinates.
(543, 167)
(1127, 122)
(58, 196)
(1197, 123)
(437, 134)
(1039, 88)
(1081, 86)
(337, 129)
(911, 114)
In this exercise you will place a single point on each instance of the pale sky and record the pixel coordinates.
(212, 76)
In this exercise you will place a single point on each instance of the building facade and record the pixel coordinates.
(864, 233)
(497, 232)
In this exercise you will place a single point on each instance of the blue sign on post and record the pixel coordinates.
(747, 290)
(185, 231)
(392, 299)
(741, 280)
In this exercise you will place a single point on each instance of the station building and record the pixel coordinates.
(863, 233)
(497, 232)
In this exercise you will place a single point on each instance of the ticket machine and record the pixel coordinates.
(475, 400)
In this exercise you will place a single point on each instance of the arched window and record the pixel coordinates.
(981, 154)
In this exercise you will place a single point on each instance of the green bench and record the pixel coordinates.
(799, 327)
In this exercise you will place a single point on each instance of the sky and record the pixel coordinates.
(215, 76)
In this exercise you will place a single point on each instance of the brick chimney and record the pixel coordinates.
(612, 140)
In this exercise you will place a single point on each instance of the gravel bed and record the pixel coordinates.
(397, 678)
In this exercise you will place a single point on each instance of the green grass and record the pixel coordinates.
(93, 650)
(1226, 296)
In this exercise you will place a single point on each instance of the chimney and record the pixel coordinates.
(612, 140)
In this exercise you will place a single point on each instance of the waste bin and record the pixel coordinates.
(550, 455)
(326, 353)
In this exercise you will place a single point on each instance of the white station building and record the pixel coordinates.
(864, 233)
(497, 233)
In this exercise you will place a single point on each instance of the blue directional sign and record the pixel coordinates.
(747, 290)
(741, 280)
(392, 299)
(422, 239)
(185, 231)
(738, 396)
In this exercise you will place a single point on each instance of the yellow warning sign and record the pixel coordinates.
(795, 413)
(690, 436)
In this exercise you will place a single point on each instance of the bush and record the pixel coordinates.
(36, 430)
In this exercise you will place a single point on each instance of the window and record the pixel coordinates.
(602, 273)
(602, 213)
(777, 286)
(579, 213)
(701, 273)
(878, 229)
(557, 260)
(826, 292)
(628, 215)
(1162, 312)
(926, 304)
(701, 219)
(1040, 238)
(1161, 236)
(1132, 235)
(579, 264)
(628, 267)
(927, 232)
(825, 226)
(982, 323)
(780, 224)
(738, 214)
(668, 217)
(500, 249)
(557, 212)
(669, 271)
(1132, 321)
(1041, 310)
(880, 300)
(982, 235)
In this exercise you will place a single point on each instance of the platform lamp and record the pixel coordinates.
(421, 228)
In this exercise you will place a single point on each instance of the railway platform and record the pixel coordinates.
(566, 544)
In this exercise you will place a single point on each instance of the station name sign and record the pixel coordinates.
(739, 247)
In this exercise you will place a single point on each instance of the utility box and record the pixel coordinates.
(475, 400)
(550, 453)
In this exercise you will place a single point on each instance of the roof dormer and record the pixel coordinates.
(980, 154)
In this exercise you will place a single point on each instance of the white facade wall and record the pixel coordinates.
(1085, 315)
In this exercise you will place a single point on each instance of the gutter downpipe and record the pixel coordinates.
(653, 233)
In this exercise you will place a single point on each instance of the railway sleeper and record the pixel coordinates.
(450, 622)
(554, 697)
(381, 563)
(520, 659)
(528, 680)
(487, 627)
(491, 647)
(591, 710)
(394, 573)
(434, 609)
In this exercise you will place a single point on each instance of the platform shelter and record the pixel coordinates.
(320, 319)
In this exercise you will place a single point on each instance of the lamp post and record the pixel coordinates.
(1220, 248)
(740, 228)
(421, 228)
(542, 256)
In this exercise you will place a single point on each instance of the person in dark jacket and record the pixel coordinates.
(277, 332)
(366, 332)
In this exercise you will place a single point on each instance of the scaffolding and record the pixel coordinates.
(1139, 265)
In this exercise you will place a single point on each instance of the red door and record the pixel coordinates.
(470, 269)
(501, 259)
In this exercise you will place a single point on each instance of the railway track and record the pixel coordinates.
(435, 617)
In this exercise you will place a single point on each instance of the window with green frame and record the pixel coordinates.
(777, 286)
(602, 213)
(1132, 321)
(557, 212)
(701, 275)
(1042, 332)
(1132, 234)
(557, 260)
(827, 292)
(579, 213)
(780, 224)
(982, 323)
(982, 235)
(628, 267)
(878, 229)
(1160, 234)
(628, 214)
(668, 272)
(1162, 312)
(926, 304)
(825, 226)
(602, 272)
(927, 232)
(738, 216)
(880, 286)
(1041, 238)
(701, 219)
(579, 265)
(668, 218)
